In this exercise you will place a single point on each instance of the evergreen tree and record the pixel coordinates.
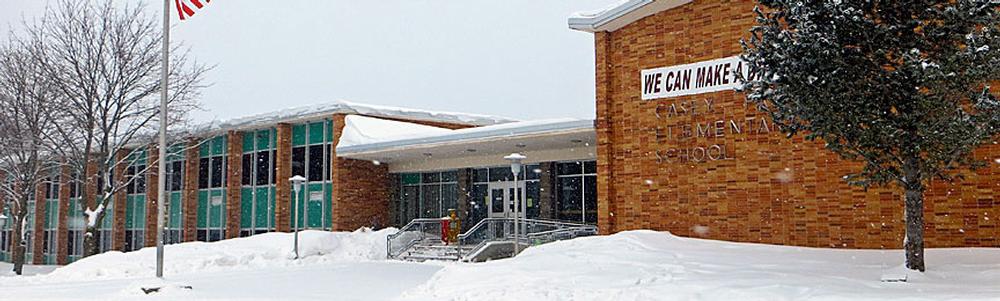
(903, 86)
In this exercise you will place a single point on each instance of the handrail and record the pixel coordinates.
(487, 230)
(408, 242)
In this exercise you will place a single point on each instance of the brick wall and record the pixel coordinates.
(766, 188)
(152, 193)
(120, 198)
(234, 150)
(190, 195)
(282, 172)
(62, 236)
(360, 189)
(38, 236)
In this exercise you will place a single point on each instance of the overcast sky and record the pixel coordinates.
(514, 58)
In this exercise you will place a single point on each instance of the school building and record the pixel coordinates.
(673, 148)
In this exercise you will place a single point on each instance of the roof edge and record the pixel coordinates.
(617, 16)
(478, 134)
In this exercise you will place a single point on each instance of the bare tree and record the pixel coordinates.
(104, 62)
(25, 128)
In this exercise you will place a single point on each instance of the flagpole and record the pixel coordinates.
(161, 172)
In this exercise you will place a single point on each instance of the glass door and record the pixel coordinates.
(501, 196)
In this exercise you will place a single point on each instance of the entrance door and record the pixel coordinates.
(502, 199)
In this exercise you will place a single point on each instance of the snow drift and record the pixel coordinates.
(258, 251)
(647, 265)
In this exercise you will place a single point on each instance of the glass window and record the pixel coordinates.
(263, 167)
(480, 175)
(570, 198)
(430, 198)
(299, 161)
(431, 177)
(203, 173)
(569, 168)
(140, 179)
(316, 162)
(247, 167)
(176, 177)
(218, 175)
(500, 174)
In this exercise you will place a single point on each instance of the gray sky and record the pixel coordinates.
(514, 58)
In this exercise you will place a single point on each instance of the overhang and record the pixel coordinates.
(543, 140)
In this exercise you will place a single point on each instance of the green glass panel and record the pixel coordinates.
(54, 220)
(218, 145)
(329, 206)
(140, 211)
(264, 205)
(264, 139)
(175, 152)
(216, 208)
(248, 141)
(315, 200)
(108, 221)
(246, 207)
(329, 126)
(298, 134)
(176, 208)
(205, 149)
(202, 208)
(411, 178)
(129, 211)
(316, 132)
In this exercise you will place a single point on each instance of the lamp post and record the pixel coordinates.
(297, 182)
(515, 167)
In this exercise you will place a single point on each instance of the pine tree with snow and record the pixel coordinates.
(903, 86)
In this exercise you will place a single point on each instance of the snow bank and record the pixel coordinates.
(646, 265)
(258, 251)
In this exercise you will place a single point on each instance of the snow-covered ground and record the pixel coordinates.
(636, 265)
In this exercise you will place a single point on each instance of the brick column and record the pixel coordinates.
(39, 233)
(360, 189)
(62, 253)
(152, 193)
(189, 198)
(547, 191)
(234, 149)
(120, 197)
(89, 179)
(603, 123)
(283, 171)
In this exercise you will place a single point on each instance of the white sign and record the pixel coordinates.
(694, 78)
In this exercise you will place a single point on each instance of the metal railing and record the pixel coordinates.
(427, 231)
(534, 232)
(415, 231)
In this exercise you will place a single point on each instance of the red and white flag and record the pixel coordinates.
(187, 8)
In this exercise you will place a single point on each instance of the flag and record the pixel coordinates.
(187, 8)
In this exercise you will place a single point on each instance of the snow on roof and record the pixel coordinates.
(363, 130)
(486, 132)
(619, 14)
(345, 107)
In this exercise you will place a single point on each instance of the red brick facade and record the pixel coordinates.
(190, 199)
(764, 187)
(38, 236)
(360, 189)
(282, 172)
(152, 194)
(62, 234)
(234, 149)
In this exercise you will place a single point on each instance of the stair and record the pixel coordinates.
(439, 252)
(489, 239)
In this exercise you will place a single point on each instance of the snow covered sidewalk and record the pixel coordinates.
(646, 265)
(635, 265)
